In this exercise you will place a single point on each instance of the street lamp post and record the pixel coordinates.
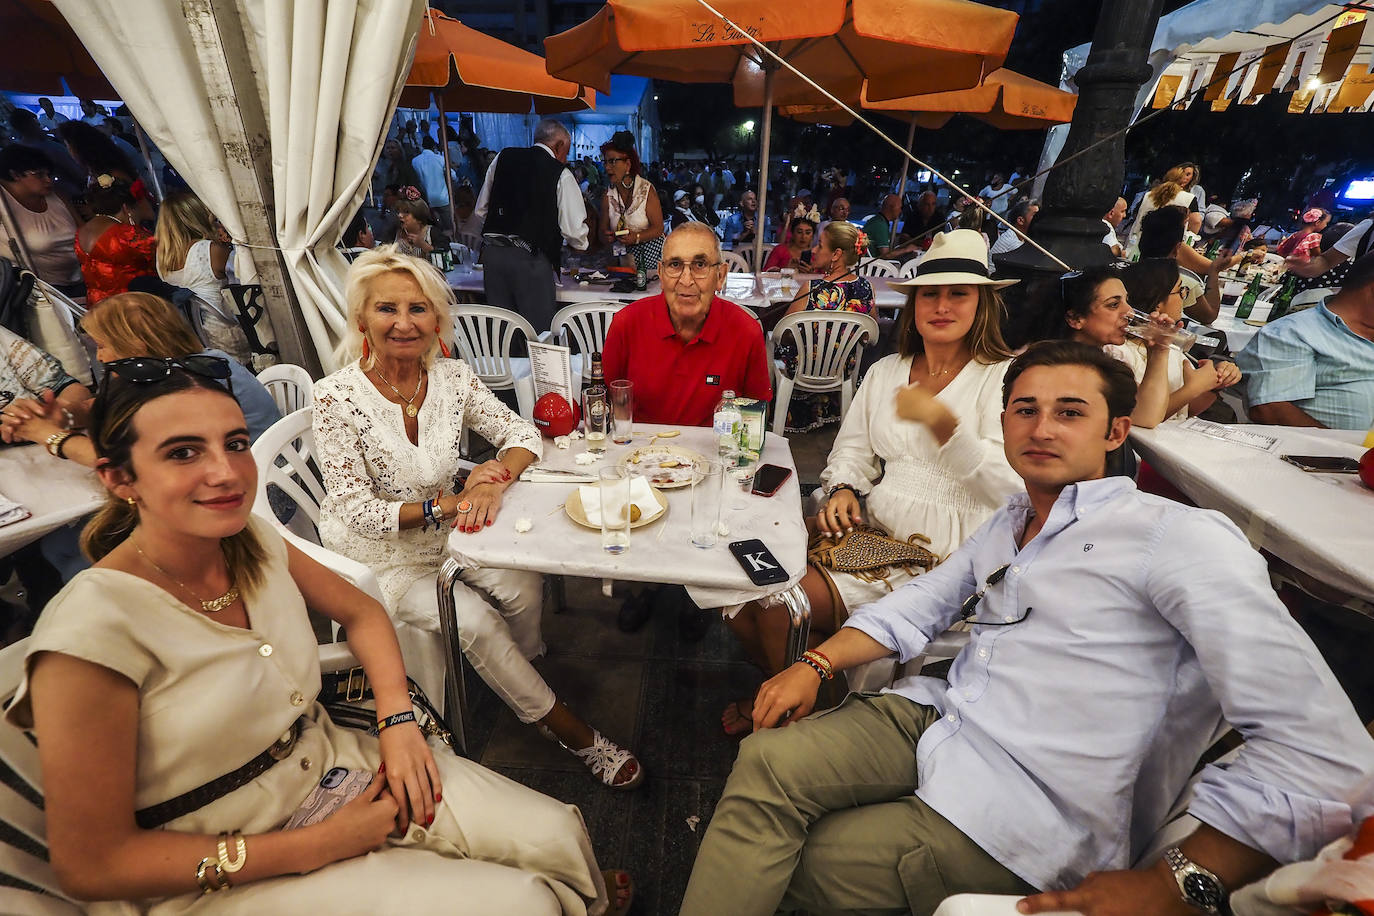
(1080, 191)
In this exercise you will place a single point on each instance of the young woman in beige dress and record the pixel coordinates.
(185, 654)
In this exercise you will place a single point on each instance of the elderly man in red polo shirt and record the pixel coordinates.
(683, 349)
(687, 346)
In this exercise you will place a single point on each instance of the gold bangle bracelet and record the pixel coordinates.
(240, 852)
(209, 884)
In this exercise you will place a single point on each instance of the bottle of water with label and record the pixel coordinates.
(727, 423)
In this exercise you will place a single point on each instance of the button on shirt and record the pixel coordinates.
(1313, 360)
(1067, 737)
(681, 383)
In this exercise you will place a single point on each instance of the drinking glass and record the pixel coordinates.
(596, 420)
(622, 411)
(615, 509)
(1142, 328)
(789, 281)
(707, 475)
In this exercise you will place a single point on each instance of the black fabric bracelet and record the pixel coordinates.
(830, 494)
(399, 719)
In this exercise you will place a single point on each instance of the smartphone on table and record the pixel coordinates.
(769, 478)
(758, 562)
(1323, 464)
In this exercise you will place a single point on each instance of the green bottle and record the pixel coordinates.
(1213, 249)
(1247, 301)
(1284, 299)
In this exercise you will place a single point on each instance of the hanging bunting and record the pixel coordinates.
(1198, 75)
(1354, 92)
(1224, 64)
(1340, 51)
(1166, 91)
(1303, 55)
(1244, 75)
(1300, 100)
(1267, 72)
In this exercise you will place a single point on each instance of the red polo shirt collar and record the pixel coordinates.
(663, 323)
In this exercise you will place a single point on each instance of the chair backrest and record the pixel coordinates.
(472, 240)
(877, 267)
(908, 270)
(736, 262)
(485, 336)
(825, 341)
(586, 324)
(248, 307)
(747, 252)
(30, 885)
(285, 455)
(290, 386)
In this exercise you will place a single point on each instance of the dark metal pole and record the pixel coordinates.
(1078, 193)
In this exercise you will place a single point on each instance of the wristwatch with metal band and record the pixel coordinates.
(1201, 889)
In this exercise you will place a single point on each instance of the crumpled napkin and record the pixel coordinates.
(11, 511)
(641, 495)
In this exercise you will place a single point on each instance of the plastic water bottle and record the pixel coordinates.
(727, 423)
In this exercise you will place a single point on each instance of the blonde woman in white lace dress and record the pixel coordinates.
(922, 443)
(387, 428)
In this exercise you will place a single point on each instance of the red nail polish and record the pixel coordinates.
(438, 797)
(430, 821)
(488, 523)
(381, 769)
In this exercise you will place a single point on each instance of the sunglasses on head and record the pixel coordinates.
(145, 370)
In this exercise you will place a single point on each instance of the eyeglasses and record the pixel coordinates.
(36, 173)
(612, 160)
(971, 602)
(701, 268)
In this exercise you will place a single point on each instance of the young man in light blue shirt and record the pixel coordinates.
(1105, 650)
(1316, 367)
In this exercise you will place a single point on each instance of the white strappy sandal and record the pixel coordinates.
(604, 758)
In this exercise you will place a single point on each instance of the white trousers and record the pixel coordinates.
(498, 614)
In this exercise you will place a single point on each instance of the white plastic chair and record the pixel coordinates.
(472, 240)
(877, 268)
(908, 270)
(290, 386)
(586, 324)
(485, 336)
(736, 262)
(285, 455)
(23, 836)
(825, 341)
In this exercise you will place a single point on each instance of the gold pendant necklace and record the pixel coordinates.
(411, 409)
(213, 606)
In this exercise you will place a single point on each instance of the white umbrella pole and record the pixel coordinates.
(910, 140)
(761, 220)
(448, 167)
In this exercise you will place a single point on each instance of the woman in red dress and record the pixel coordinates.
(112, 248)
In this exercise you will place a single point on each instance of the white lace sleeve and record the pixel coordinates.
(485, 414)
(350, 493)
(852, 459)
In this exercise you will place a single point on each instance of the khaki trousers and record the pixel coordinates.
(820, 816)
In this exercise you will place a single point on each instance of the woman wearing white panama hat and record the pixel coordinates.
(922, 442)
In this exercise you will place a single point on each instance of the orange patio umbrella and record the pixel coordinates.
(38, 49)
(899, 47)
(468, 70)
(1006, 100)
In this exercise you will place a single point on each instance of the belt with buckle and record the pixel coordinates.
(199, 797)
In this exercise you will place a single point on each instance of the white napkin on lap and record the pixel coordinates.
(11, 511)
(641, 495)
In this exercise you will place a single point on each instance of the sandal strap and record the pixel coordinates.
(604, 758)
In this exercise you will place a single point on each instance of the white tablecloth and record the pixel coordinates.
(1238, 333)
(1322, 524)
(56, 492)
(658, 552)
(738, 288)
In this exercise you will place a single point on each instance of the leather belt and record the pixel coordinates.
(501, 240)
(163, 812)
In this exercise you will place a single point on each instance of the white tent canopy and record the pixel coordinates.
(315, 79)
(1194, 37)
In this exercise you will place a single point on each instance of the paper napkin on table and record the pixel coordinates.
(11, 511)
(641, 495)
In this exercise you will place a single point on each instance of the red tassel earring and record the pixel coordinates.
(443, 348)
(367, 349)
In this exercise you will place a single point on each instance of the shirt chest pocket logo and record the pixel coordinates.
(713, 380)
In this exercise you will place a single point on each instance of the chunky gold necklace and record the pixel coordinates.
(213, 606)
(411, 409)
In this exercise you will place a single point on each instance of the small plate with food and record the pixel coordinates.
(666, 467)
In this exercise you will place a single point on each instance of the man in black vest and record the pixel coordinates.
(531, 203)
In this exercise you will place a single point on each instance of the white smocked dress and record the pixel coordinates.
(913, 484)
(212, 697)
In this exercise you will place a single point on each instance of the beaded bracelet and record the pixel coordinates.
(399, 719)
(815, 666)
(820, 658)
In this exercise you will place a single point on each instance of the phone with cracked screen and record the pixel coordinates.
(1323, 464)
